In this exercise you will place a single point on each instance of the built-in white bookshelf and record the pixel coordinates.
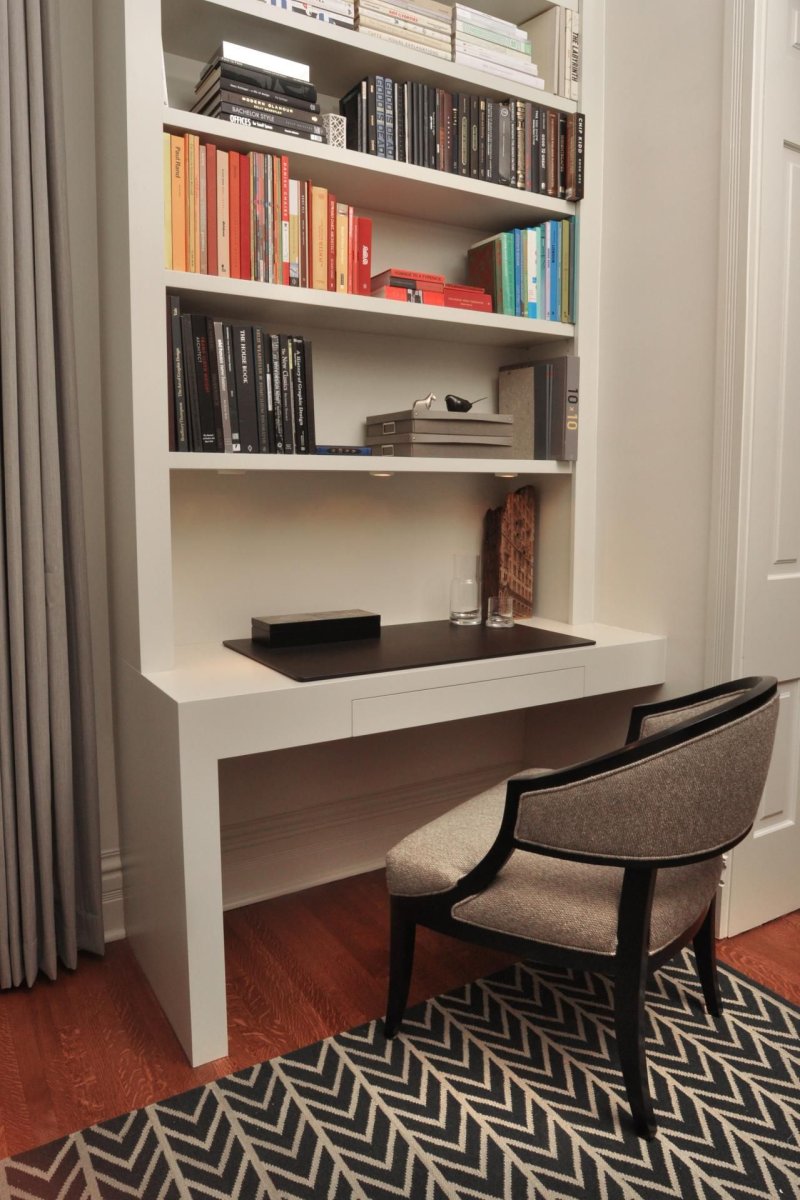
(200, 543)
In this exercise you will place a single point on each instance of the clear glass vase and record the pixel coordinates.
(465, 590)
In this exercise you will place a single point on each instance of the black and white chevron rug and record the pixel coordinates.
(508, 1088)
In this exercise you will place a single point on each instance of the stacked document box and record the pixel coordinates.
(494, 45)
(425, 433)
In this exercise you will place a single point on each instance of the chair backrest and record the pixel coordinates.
(688, 787)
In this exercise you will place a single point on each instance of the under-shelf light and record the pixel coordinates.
(506, 474)
(382, 474)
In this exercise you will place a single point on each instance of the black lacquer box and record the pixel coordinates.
(309, 629)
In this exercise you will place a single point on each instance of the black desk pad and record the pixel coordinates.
(421, 644)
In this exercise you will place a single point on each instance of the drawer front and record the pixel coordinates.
(377, 714)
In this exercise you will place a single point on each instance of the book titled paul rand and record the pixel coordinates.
(237, 388)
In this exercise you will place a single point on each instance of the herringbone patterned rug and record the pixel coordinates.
(508, 1088)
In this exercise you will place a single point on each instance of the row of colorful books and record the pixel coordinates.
(512, 142)
(240, 215)
(529, 272)
(236, 388)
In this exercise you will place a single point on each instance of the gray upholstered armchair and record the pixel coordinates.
(611, 865)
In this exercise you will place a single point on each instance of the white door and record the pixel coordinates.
(764, 872)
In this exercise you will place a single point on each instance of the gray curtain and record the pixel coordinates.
(50, 900)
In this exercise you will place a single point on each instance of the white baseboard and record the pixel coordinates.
(273, 854)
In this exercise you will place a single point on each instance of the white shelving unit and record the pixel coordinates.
(198, 543)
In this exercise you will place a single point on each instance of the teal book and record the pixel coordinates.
(507, 244)
(518, 280)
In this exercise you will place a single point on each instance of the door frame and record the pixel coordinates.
(744, 51)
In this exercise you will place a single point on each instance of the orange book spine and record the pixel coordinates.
(319, 238)
(245, 216)
(223, 228)
(178, 192)
(196, 202)
(331, 284)
(233, 219)
(211, 208)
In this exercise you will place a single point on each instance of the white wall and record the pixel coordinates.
(78, 75)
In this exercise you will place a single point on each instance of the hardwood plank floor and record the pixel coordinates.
(95, 1043)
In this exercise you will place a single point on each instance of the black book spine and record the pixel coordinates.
(536, 133)
(372, 116)
(171, 422)
(492, 140)
(289, 104)
(299, 395)
(238, 115)
(213, 370)
(562, 155)
(178, 372)
(526, 146)
(463, 135)
(380, 115)
(543, 149)
(223, 385)
(474, 133)
(580, 137)
(282, 84)
(202, 378)
(261, 371)
(504, 143)
(286, 396)
(348, 107)
(308, 379)
(233, 395)
(416, 111)
(400, 120)
(251, 105)
(277, 402)
(363, 137)
(512, 106)
(245, 388)
(190, 384)
(520, 127)
(454, 133)
(482, 137)
(389, 117)
(425, 105)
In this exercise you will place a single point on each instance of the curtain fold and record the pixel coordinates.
(50, 894)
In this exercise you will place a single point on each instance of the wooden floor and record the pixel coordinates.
(96, 1044)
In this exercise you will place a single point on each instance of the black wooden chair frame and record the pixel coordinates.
(632, 962)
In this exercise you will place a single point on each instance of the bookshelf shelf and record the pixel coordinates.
(294, 307)
(299, 463)
(338, 57)
(382, 184)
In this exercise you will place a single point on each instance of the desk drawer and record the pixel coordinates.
(403, 710)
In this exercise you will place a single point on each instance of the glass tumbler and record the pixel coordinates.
(465, 590)
(500, 611)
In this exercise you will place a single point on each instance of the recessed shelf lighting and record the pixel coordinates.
(506, 474)
(382, 474)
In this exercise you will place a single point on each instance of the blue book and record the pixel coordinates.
(554, 312)
(518, 290)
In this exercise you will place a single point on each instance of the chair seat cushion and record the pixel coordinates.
(534, 896)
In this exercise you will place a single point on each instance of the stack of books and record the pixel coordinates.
(419, 24)
(491, 44)
(556, 38)
(332, 12)
(512, 142)
(250, 87)
(240, 215)
(237, 388)
(432, 433)
(529, 272)
(421, 287)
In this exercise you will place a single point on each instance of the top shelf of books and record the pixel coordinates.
(338, 56)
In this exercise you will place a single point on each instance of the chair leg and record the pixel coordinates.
(705, 953)
(401, 960)
(630, 1023)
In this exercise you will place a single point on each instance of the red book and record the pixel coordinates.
(233, 207)
(475, 303)
(462, 289)
(409, 295)
(331, 242)
(363, 285)
(211, 208)
(284, 276)
(351, 249)
(245, 219)
(277, 270)
(419, 278)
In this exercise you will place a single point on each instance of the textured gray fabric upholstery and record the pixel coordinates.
(576, 904)
(691, 798)
(434, 858)
(658, 722)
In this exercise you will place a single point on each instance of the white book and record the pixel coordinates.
(405, 12)
(566, 48)
(495, 54)
(372, 19)
(408, 42)
(520, 51)
(545, 34)
(575, 75)
(480, 64)
(462, 13)
(246, 57)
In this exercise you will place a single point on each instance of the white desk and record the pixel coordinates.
(216, 704)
